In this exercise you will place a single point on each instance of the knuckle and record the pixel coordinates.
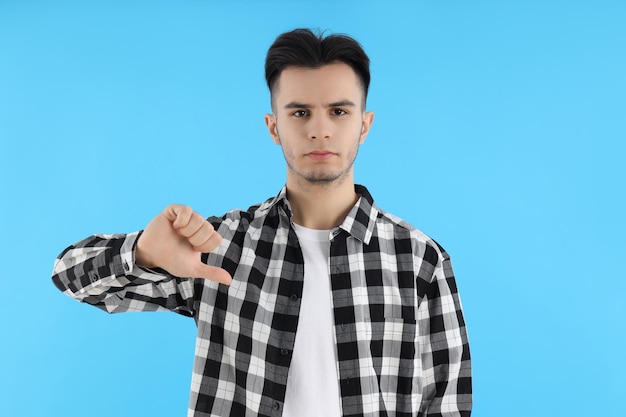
(183, 217)
(186, 212)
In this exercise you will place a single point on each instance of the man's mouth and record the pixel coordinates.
(320, 155)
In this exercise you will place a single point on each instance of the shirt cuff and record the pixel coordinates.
(128, 265)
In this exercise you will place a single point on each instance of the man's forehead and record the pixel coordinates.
(330, 83)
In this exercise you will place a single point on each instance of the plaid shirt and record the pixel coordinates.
(400, 335)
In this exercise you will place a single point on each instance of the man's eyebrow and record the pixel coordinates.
(296, 105)
(340, 103)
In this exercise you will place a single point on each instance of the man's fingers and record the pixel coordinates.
(178, 214)
(187, 221)
(194, 224)
(184, 219)
(206, 239)
(212, 273)
(191, 225)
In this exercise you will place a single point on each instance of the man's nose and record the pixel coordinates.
(320, 127)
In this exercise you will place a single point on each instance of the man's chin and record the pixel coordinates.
(325, 178)
(321, 179)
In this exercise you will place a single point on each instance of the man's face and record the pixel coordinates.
(319, 122)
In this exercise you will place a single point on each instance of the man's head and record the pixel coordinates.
(318, 87)
(303, 48)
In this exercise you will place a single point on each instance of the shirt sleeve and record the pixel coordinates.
(101, 270)
(447, 379)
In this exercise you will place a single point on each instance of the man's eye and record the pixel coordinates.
(339, 112)
(300, 113)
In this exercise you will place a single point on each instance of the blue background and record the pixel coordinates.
(499, 131)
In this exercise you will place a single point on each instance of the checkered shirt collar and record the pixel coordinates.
(359, 222)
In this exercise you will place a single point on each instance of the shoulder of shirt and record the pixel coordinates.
(236, 216)
(418, 236)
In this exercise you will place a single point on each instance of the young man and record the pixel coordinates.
(313, 303)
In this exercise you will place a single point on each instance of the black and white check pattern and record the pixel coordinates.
(401, 342)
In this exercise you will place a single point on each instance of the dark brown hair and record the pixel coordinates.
(303, 48)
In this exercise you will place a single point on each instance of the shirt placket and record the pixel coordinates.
(345, 316)
(289, 300)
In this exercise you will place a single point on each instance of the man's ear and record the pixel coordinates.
(272, 128)
(368, 119)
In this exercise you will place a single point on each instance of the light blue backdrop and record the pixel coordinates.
(499, 131)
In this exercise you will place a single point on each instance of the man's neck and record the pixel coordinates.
(321, 206)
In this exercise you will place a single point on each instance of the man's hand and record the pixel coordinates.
(174, 240)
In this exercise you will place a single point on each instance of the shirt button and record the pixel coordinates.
(276, 406)
(284, 352)
(126, 267)
(293, 297)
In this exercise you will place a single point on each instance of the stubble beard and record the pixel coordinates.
(322, 178)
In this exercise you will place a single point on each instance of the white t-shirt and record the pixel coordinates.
(313, 381)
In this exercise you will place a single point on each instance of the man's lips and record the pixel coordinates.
(320, 155)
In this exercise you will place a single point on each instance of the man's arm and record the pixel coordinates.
(447, 375)
(109, 271)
